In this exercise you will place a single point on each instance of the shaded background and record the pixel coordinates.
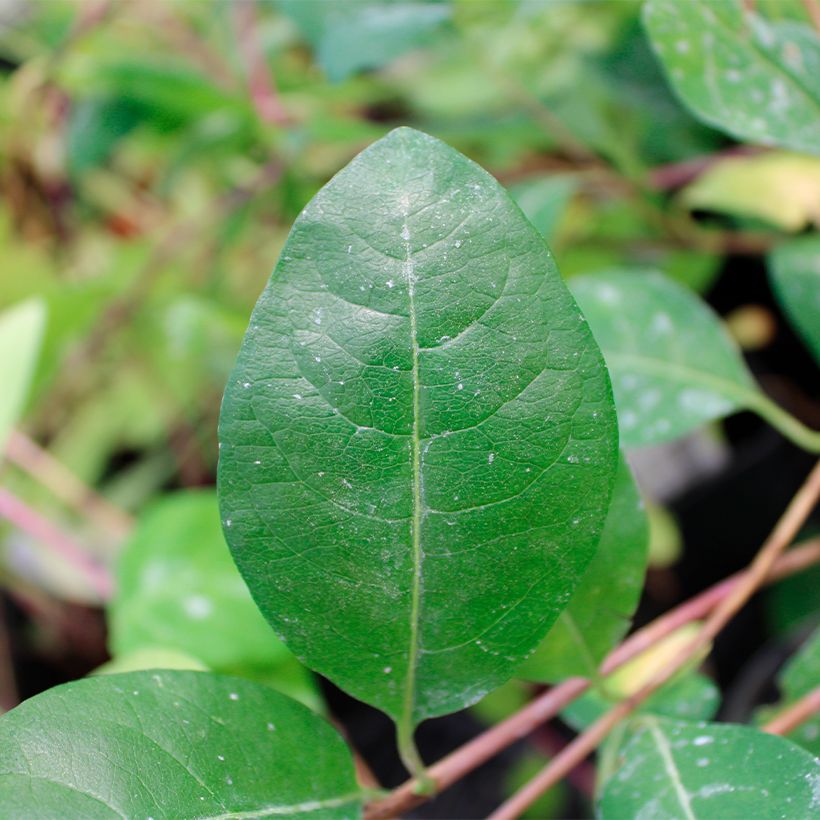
(153, 156)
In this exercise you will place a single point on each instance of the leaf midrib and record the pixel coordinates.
(670, 766)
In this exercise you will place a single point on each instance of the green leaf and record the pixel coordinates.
(672, 364)
(172, 744)
(21, 333)
(705, 770)
(544, 201)
(755, 80)
(150, 657)
(177, 588)
(360, 34)
(418, 440)
(599, 613)
(777, 187)
(794, 274)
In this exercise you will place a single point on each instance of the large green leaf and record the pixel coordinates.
(177, 588)
(673, 366)
(21, 332)
(168, 744)
(418, 440)
(794, 273)
(599, 613)
(672, 769)
(756, 80)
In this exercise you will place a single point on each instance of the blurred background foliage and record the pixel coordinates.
(153, 155)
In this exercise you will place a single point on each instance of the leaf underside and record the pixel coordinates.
(418, 440)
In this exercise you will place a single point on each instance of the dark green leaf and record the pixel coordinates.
(172, 744)
(794, 273)
(756, 80)
(672, 769)
(599, 613)
(418, 440)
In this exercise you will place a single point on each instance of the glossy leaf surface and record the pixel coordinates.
(418, 440)
(21, 332)
(599, 613)
(757, 80)
(171, 744)
(673, 366)
(794, 273)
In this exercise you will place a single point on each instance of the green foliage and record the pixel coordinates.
(754, 79)
(413, 436)
(705, 770)
(170, 743)
(794, 274)
(598, 614)
(21, 332)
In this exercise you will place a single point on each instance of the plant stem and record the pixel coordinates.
(29, 520)
(482, 748)
(785, 530)
(43, 467)
(813, 10)
(796, 715)
(784, 422)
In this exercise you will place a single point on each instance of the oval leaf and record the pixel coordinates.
(794, 273)
(171, 744)
(418, 440)
(701, 770)
(673, 366)
(756, 80)
(599, 613)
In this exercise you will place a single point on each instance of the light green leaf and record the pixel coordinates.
(794, 274)
(361, 34)
(705, 770)
(418, 440)
(780, 188)
(756, 80)
(177, 588)
(544, 201)
(599, 613)
(172, 744)
(672, 364)
(150, 657)
(21, 333)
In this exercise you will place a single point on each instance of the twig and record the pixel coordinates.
(260, 77)
(42, 466)
(812, 8)
(785, 530)
(797, 714)
(29, 520)
(473, 754)
(9, 696)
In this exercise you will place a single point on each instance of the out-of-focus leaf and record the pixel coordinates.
(756, 80)
(673, 366)
(779, 188)
(21, 332)
(598, 614)
(178, 588)
(543, 201)
(150, 658)
(794, 273)
(170, 743)
(672, 769)
(95, 126)
(359, 34)
(665, 540)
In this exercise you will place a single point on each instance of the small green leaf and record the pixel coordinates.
(794, 274)
(177, 588)
(150, 657)
(756, 80)
(418, 440)
(672, 769)
(777, 187)
(672, 364)
(599, 613)
(21, 333)
(172, 744)
(360, 34)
